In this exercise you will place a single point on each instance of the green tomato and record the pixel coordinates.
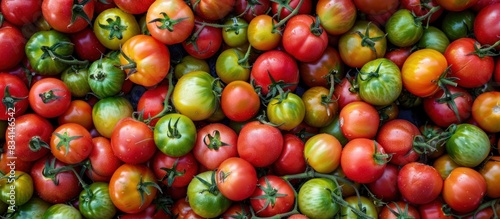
(204, 197)
(287, 111)
(234, 33)
(33, 209)
(95, 202)
(107, 112)
(379, 82)
(175, 134)
(315, 198)
(62, 211)
(49, 52)
(105, 78)
(76, 79)
(196, 95)
(468, 146)
(229, 68)
(402, 29)
(458, 24)
(16, 188)
(367, 205)
(188, 64)
(434, 38)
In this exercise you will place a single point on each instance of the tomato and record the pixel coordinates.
(449, 108)
(458, 24)
(232, 65)
(397, 137)
(79, 112)
(363, 160)
(386, 187)
(316, 73)
(403, 29)
(359, 119)
(278, 66)
(273, 196)
(204, 42)
(361, 204)
(188, 64)
(102, 160)
(32, 132)
(151, 103)
(131, 6)
(108, 111)
(322, 152)
(154, 211)
(113, 27)
(87, 45)
(71, 143)
(49, 97)
(398, 209)
(398, 55)
(68, 16)
(49, 175)
(336, 16)
(132, 187)
(215, 143)
(31, 11)
(16, 188)
(304, 38)
(321, 107)
(291, 159)
(34, 208)
(468, 145)
(346, 92)
(419, 183)
(263, 34)
(315, 198)
(283, 9)
(434, 38)
(456, 5)
(239, 101)
(422, 70)
(61, 211)
(484, 111)
(236, 171)
(212, 9)
(204, 197)
(364, 42)
(132, 141)
(175, 134)
(234, 32)
(174, 172)
(379, 82)
(420, 8)
(464, 189)
(145, 60)
(433, 209)
(374, 6)
(13, 93)
(486, 18)
(105, 78)
(250, 9)
(286, 110)
(13, 41)
(75, 78)
(491, 173)
(469, 63)
(95, 201)
(236, 210)
(259, 143)
(444, 165)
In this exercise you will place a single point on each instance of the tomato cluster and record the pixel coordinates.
(250, 109)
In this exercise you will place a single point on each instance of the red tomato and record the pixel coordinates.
(359, 119)
(31, 136)
(21, 12)
(173, 27)
(446, 109)
(485, 111)
(236, 178)
(79, 112)
(397, 137)
(304, 38)
(291, 159)
(398, 55)
(275, 65)
(86, 44)
(239, 101)
(363, 160)
(398, 209)
(68, 16)
(71, 143)
(374, 7)
(260, 144)
(419, 183)
(132, 141)
(205, 42)
(151, 103)
(13, 42)
(215, 143)
(102, 160)
(13, 93)
(386, 187)
(486, 25)
(174, 172)
(49, 97)
(134, 7)
(345, 92)
(283, 9)
(275, 189)
(464, 189)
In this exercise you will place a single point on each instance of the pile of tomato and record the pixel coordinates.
(249, 109)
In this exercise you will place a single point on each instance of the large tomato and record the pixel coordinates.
(273, 67)
(304, 38)
(336, 16)
(397, 137)
(419, 183)
(464, 189)
(259, 143)
(403, 29)
(132, 141)
(21, 12)
(68, 16)
(71, 143)
(13, 93)
(175, 134)
(215, 143)
(322, 152)
(379, 82)
(364, 42)
(316, 73)
(236, 171)
(263, 35)
(363, 160)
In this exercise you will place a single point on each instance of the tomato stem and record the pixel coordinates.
(36, 143)
(143, 189)
(8, 100)
(427, 15)
(244, 59)
(114, 27)
(286, 4)
(65, 140)
(171, 173)
(166, 105)
(66, 59)
(78, 11)
(366, 40)
(235, 26)
(482, 52)
(166, 22)
(48, 96)
(214, 142)
(316, 28)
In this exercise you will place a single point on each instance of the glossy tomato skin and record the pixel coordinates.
(175, 172)
(434, 38)
(419, 183)
(491, 173)
(236, 171)
(346, 92)
(71, 143)
(444, 165)
(231, 66)
(321, 108)
(322, 152)
(205, 43)
(132, 141)
(215, 143)
(287, 110)
(379, 82)
(398, 55)
(397, 137)
(12, 40)
(239, 101)
(260, 144)
(291, 159)
(175, 134)
(278, 65)
(261, 33)
(363, 160)
(32, 131)
(304, 38)
(443, 114)
(359, 119)
(484, 111)
(468, 146)
(458, 24)
(58, 13)
(102, 159)
(486, 27)
(284, 202)
(386, 187)
(31, 11)
(464, 189)
(114, 27)
(96, 202)
(107, 112)
(250, 9)
(14, 95)
(336, 16)
(402, 29)
(49, 97)
(61, 210)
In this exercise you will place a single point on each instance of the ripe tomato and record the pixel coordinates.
(68, 16)
(446, 109)
(133, 187)
(204, 42)
(386, 187)
(491, 173)
(236, 171)
(359, 119)
(151, 103)
(346, 92)
(263, 34)
(422, 7)
(456, 5)
(485, 111)
(215, 143)
(291, 159)
(260, 144)
(71, 143)
(486, 27)
(277, 66)
(397, 137)
(399, 209)
(13, 93)
(145, 60)
(273, 196)
(212, 9)
(363, 160)
(49, 97)
(132, 141)
(464, 189)
(316, 73)
(21, 13)
(132, 7)
(102, 159)
(174, 172)
(79, 112)
(422, 72)
(419, 183)
(13, 41)
(322, 152)
(354, 49)
(113, 27)
(239, 101)
(336, 16)
(304, 38)
(32, 133)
